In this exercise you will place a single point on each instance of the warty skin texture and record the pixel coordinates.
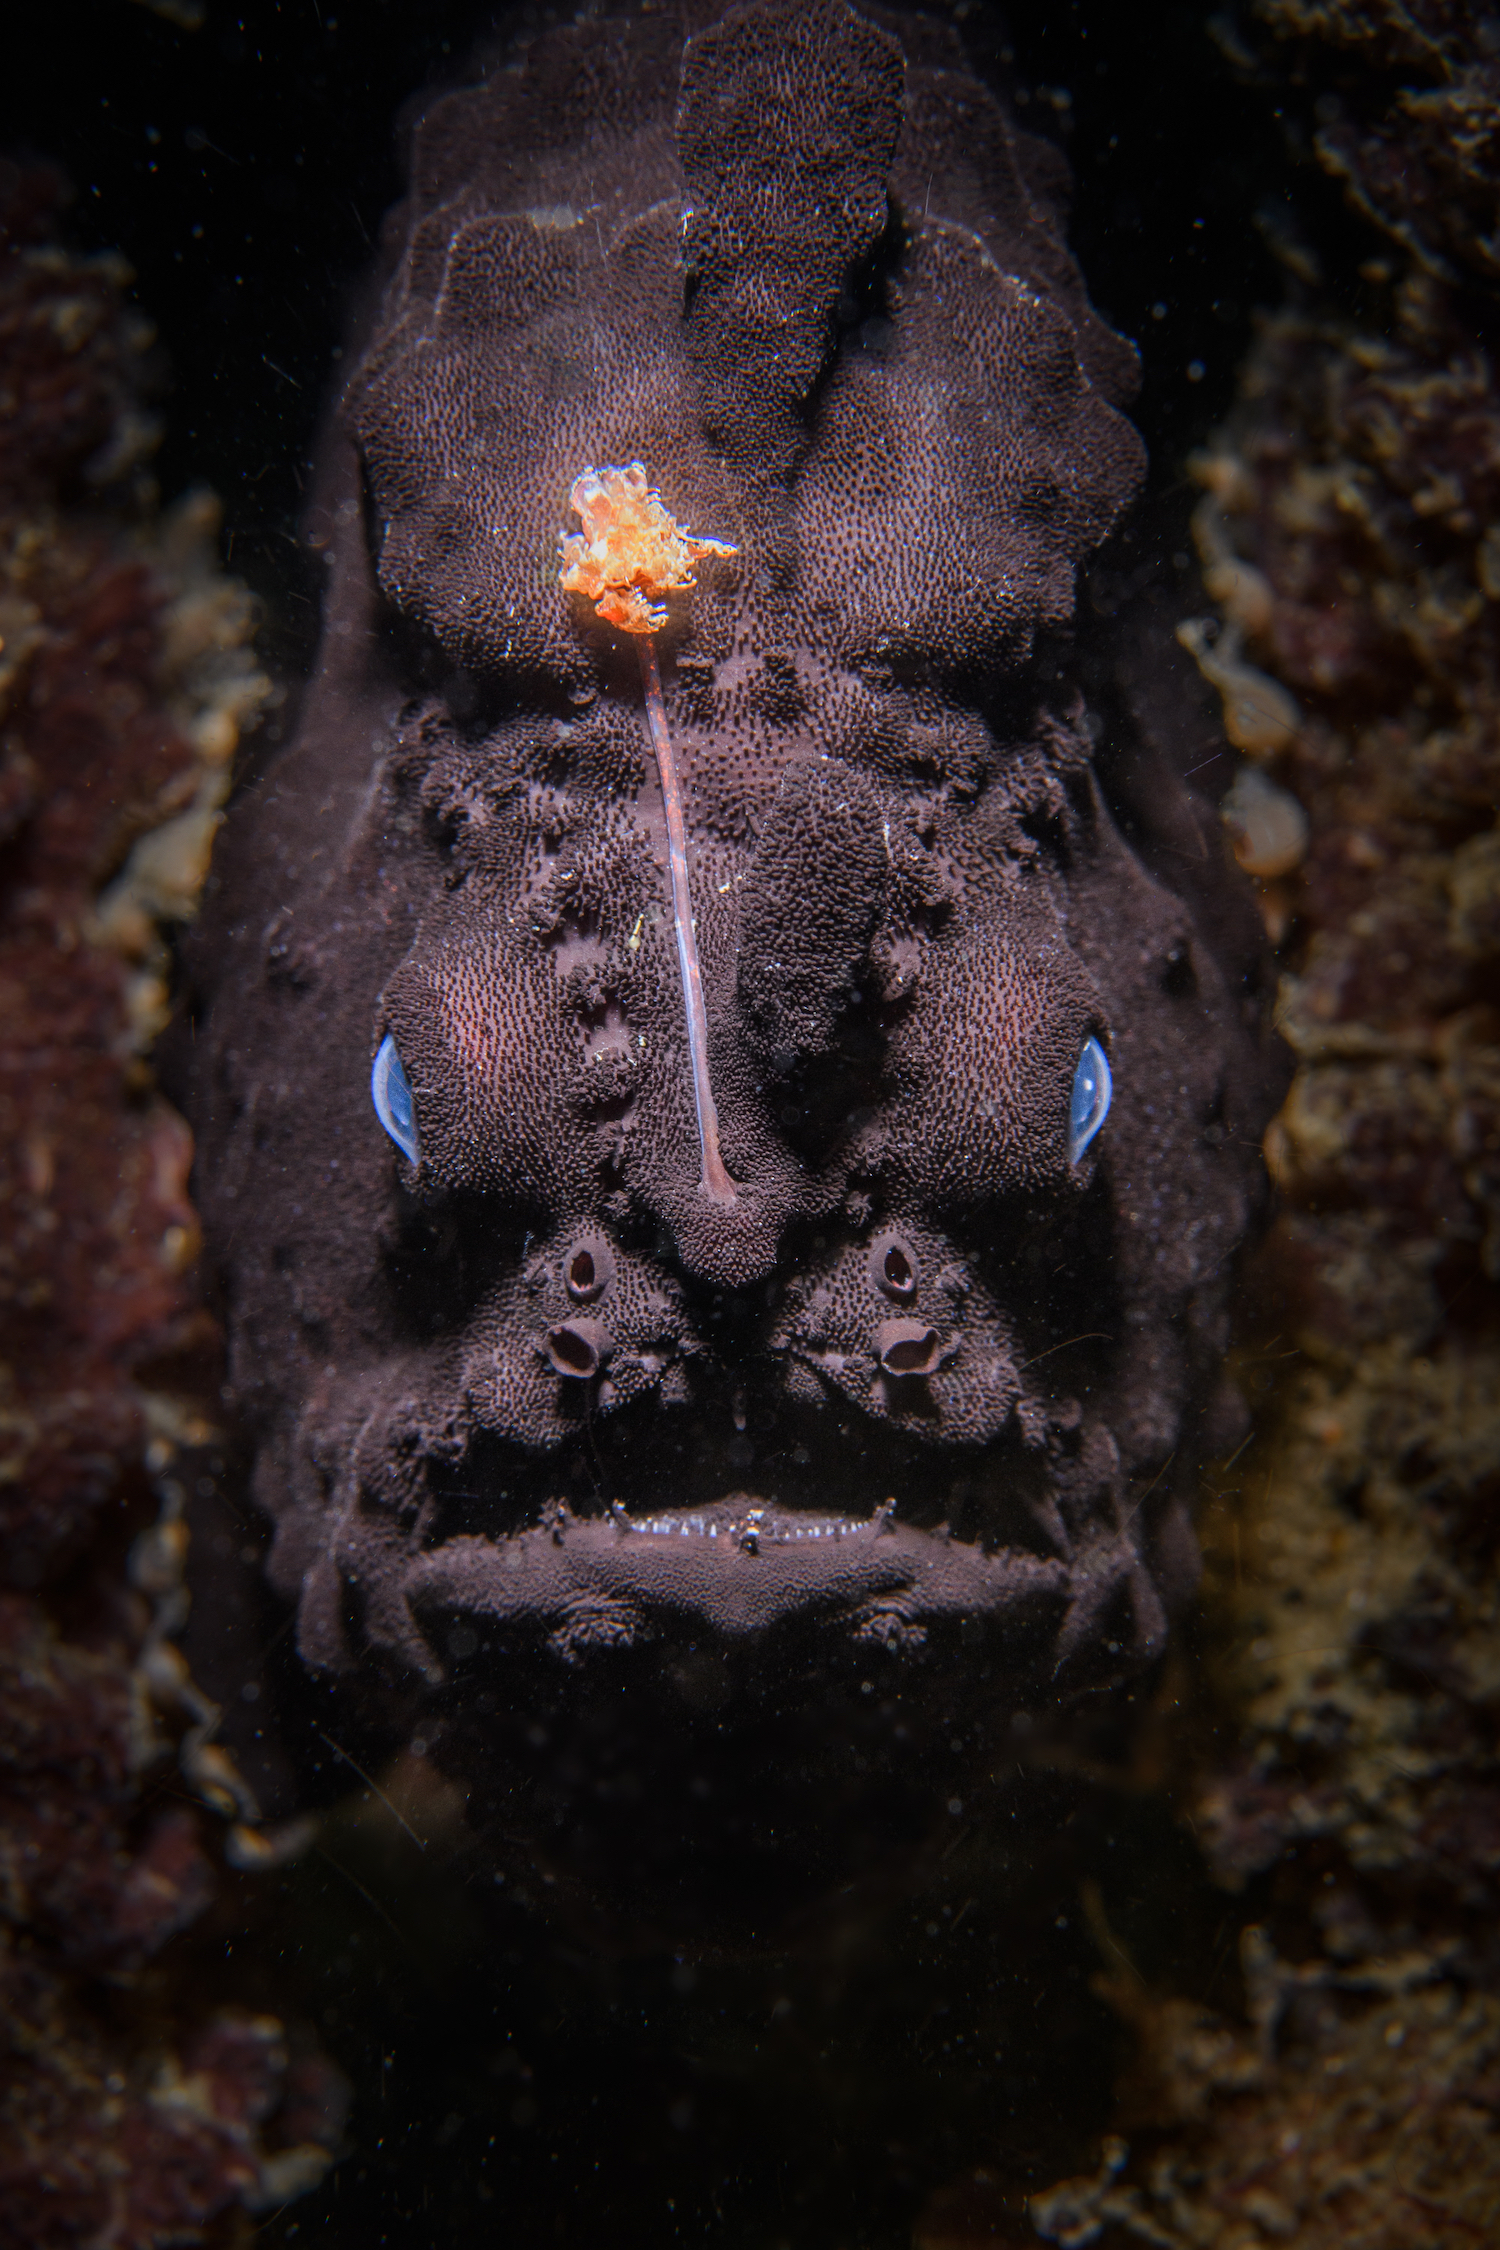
(806, 269)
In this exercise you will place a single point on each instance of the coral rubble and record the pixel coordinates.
(126, 674)
(1378, 2133)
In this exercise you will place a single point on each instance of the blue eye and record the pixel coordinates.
(1092, 1086)
(390, 1091)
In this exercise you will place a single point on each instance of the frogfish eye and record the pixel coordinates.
(390, 1091)
(1092, 1087)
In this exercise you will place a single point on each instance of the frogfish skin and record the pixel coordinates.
(692, 1530)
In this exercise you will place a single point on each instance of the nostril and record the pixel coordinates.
(907, 1347)
(893, 1267)
(577, 1347)
(588, 1270)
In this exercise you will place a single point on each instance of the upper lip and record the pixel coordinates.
(743, 1565)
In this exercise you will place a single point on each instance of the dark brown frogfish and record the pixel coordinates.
(723, 1163)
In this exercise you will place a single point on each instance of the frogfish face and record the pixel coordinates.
(744, 1508)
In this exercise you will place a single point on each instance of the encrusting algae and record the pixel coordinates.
(631, 556)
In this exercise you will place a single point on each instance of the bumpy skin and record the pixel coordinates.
(805, 268)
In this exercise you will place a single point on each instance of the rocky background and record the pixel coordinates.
(134, 2110)
(1339, 1764)
(1218, 1969)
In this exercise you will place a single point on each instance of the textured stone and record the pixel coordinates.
(126, 2113)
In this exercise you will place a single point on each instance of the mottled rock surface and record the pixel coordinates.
(132, 2110)
(1345, 1788)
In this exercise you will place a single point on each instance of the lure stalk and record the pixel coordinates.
(716, 1181)
(631, 554)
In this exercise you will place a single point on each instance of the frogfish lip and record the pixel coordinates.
(737, 1569)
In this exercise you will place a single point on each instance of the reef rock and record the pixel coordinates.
(133, 2109)
(1346, 1787)
(619, 1488)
